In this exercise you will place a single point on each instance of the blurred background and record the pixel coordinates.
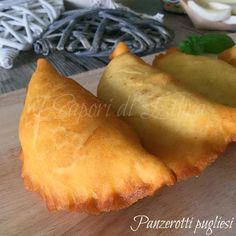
(147, 6)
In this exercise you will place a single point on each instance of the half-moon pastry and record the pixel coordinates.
(77, 154)
(229, 56)
(212, 78)
(184, 130)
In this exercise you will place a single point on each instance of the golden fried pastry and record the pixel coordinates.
(229, 56)
(212, 78)
(184, 130)
(77, 154)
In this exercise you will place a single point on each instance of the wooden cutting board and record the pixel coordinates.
(212, 194)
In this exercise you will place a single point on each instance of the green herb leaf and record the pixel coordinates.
(216, 43)
(192, 45)
(208, 43)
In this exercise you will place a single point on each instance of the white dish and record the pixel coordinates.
(211, 11)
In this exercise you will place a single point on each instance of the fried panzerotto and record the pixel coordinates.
(79, 158)
(183, 129)
(212, 78)
(229, 56)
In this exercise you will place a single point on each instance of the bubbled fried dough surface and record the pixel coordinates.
(213, 79)
(81, 160)
(183, 129)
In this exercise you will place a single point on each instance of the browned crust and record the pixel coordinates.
(208, 158)
(227, 57)
(94, 206)
(201, 162)
(114, 199)
(163, 55)
(188, 171)
(211, 155)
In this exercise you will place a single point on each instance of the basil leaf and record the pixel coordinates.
(192, 45)
(208, 43)
(216, 43)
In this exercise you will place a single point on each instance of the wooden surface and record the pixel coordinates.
(212, 194)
